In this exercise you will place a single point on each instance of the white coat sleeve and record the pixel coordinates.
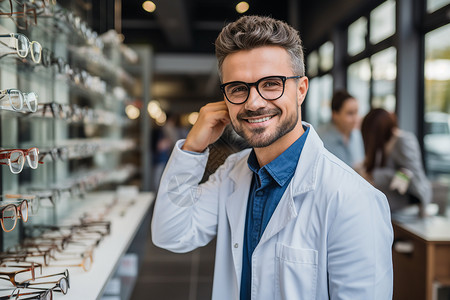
(185, 213)
(359, 246)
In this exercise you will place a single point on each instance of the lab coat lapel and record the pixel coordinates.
(303, 181)
(282, 215)
(236, 208)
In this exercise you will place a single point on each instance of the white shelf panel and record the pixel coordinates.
(126, 220)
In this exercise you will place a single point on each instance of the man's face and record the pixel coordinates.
(346, 118)
(261, 122)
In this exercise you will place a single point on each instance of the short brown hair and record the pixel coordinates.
(250, 32)
(338, 100)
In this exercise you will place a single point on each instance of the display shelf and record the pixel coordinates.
(126, 221)
(88, 128)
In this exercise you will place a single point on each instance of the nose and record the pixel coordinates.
(254, 101)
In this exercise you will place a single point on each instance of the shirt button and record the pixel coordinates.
(236, 245)
(259, 193)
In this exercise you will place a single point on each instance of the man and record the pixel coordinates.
(291, 220)
(340, 136)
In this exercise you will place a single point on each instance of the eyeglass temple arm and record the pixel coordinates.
(50, 275)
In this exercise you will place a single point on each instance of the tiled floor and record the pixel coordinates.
(167, 275)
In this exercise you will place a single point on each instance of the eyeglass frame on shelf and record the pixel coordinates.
(23, 98)
(12, 274)
(33, 201)
(28, 49)
(20, 14)
(43, 295)
(29, 285)
(24, 153)
(18, 214)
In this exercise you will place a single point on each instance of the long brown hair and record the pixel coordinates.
(377, 129)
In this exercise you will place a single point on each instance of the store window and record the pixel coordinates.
(437, 101)
(384, 73)
(433, 5)
(358, 82)
(382, 22)
(326, 56)
(312, 64)
(318, 103)
(357, 33)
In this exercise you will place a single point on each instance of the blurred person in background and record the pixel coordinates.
(393, 162)
(164, 139)
(341, 136)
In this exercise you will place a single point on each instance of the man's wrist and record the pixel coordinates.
(188, 148)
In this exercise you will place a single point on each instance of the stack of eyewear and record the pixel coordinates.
(24, 268)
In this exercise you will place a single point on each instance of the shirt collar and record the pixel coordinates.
(282, 168)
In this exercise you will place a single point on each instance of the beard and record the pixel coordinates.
(262, 136)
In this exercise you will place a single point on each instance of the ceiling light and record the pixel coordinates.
(154, 109)
(161, 119)
(132, 112)
(149, 6)
(242, 7)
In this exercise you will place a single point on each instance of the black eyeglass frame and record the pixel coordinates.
(255, 84)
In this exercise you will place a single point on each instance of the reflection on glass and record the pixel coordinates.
(318, 106)
(437, 102)
(382, 22)
(357, 32)
(358, 79)
(326, 56)
(312, 64)
(433, 5)
(384, 73)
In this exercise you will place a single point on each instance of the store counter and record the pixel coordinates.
(421, 257)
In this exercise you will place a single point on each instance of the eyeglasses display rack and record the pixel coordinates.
(64, 136)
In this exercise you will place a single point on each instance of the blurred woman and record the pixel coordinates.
(340, 136)
(393, 161)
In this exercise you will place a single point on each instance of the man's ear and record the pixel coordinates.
(303, 84)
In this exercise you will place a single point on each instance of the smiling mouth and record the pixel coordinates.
(260, 120)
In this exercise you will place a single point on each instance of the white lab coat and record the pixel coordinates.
(330, 236)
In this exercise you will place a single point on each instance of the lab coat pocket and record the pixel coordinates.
(295, 273)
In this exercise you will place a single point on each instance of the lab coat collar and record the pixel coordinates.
(305, 176)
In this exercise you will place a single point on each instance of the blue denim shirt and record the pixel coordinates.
(268, 186)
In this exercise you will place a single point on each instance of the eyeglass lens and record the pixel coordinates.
(15, 98)
(16, 161)
(63, 285)
(22, 45)
(24, 210)
(46, 57)
(9, 217)
(31, 101)
(33, 157)
(37, 51)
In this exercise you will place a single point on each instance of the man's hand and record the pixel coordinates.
(211, 122)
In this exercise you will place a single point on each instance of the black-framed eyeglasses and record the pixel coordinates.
(269, 88)
(61, 285)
